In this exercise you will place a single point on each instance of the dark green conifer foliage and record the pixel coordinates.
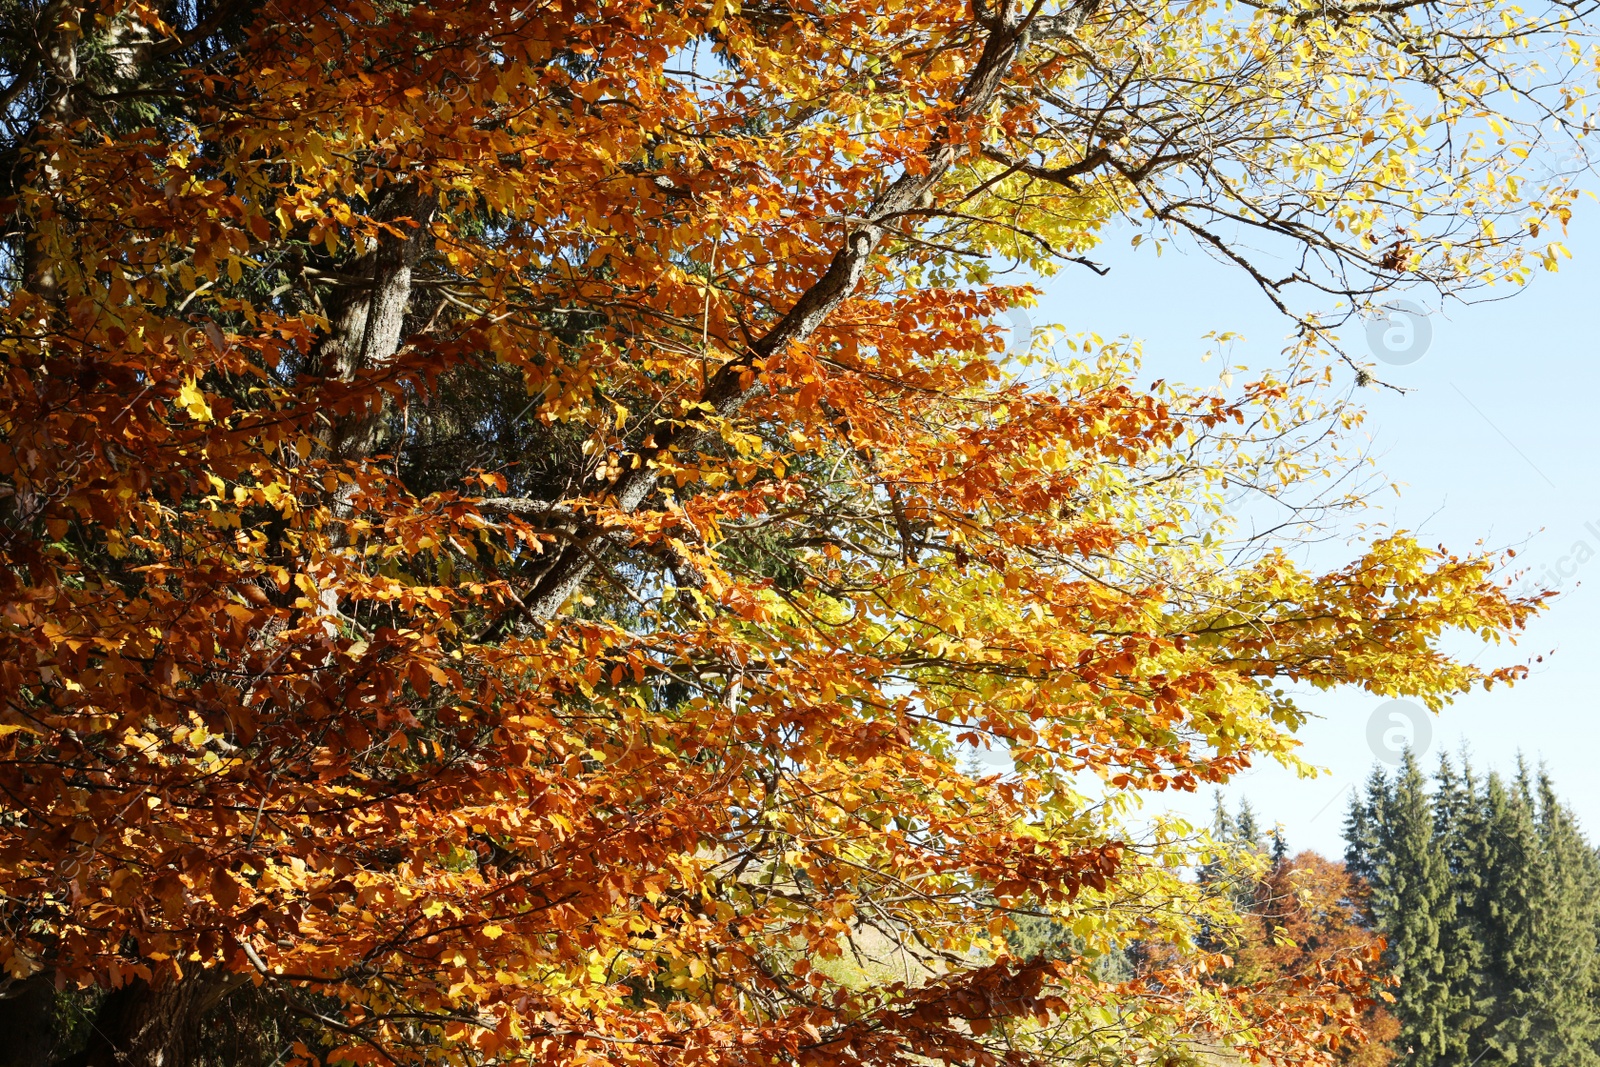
(1247, 828)
(1361, 826)
(1459, 825)
(1489, 897)
(1512, 877)
(1280, 846)
(1232, 871)
(1415, 904)
(1561, 976)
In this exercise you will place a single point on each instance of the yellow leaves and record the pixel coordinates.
(193, 401)
(897, 537)
(326, 235)
(19, 966)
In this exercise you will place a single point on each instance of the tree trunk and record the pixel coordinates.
(28, 1023)
(145, 1025)
(367, 324)
(368, 318)
(60, 34)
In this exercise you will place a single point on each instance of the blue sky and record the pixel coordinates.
(1496, 440)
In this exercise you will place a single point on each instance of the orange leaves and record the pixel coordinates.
(224, 890)
(515, 514)
(1310, 968)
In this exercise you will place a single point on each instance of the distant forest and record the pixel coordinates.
(1473, 899)
(1484, 896)
(1489, 897)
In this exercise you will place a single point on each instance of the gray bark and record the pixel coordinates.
(368, 317)
(367, 321)
(59, 37)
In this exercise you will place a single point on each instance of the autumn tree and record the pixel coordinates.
(511, 513)
(1301, 939)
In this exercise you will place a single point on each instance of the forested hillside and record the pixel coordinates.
(1488, 894)
(1477, 896)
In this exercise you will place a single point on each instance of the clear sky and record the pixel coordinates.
(1495, 440)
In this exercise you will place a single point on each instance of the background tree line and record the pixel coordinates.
(1301, 911)
(1489, 896)
(1481, 892)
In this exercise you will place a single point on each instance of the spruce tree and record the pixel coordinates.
(1221, 821)
(1562, 972)
(1512, 887)
(1361, 852)
(1459, 826)
(1247, 828)
(1489, 897)
(1216, 868)
(1414, 903)
(1280, 846)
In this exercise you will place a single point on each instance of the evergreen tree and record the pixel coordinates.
(1512, 878)
(1222, 827)
(1237, 870)
(1280, 847)
(1361, 827)
(1247, 828)
(1215, 869)
(1458, 824)
(1489, 898)
(1413, 904)
(1562, 971)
